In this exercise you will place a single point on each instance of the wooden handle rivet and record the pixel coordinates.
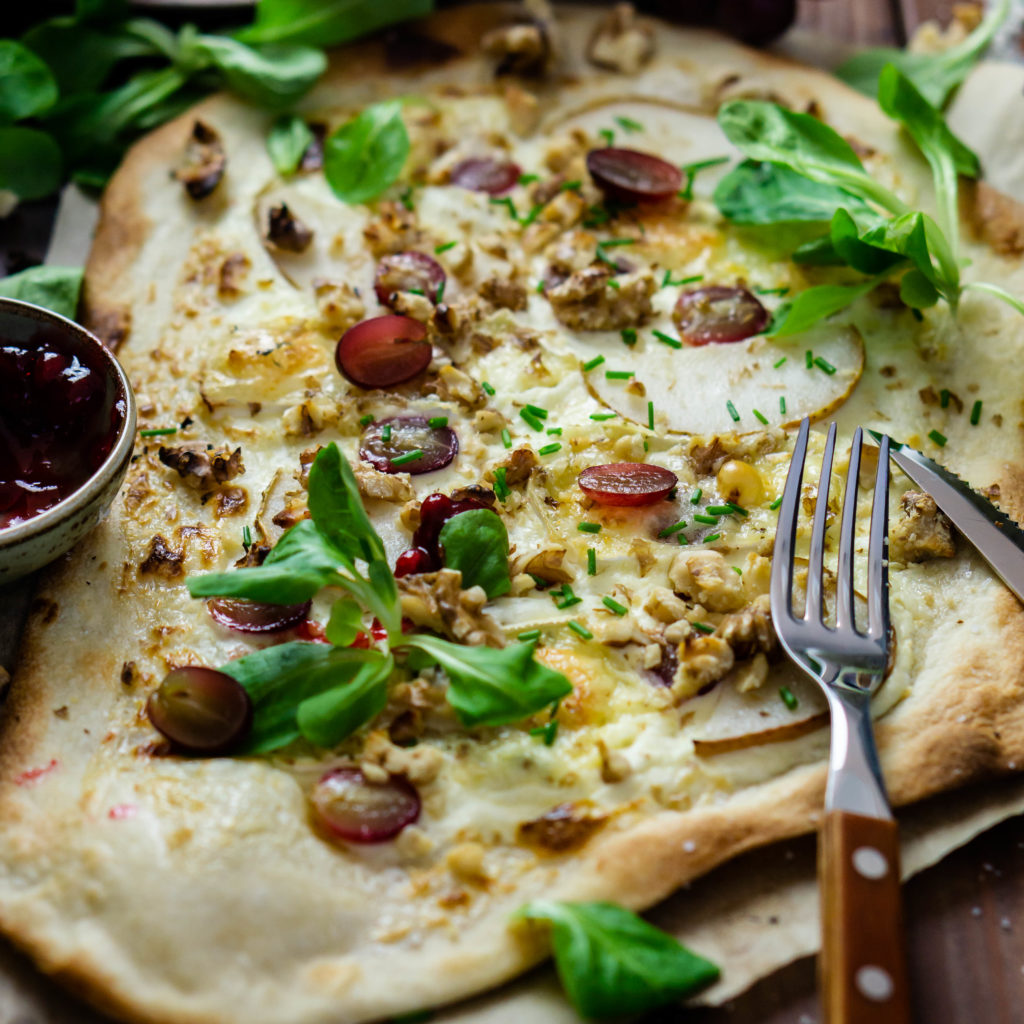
(874, 983)
(870, 863)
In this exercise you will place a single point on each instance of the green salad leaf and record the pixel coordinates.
(611, 962)
(327, 22)
(287, 142)
(813, 305)
(31, 165)
(476, 543)
(366, 155)
(27, 86)
(332, 716)
(54, 288)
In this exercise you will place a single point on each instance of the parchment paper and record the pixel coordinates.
(753, 915)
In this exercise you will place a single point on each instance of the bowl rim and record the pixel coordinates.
(87, 491)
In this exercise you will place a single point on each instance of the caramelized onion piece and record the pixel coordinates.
(383, 351)
(485, 174)
(200, 710)
(256, 617)
(631, 176)
(347, 805)
(627, 483)
(412, 441)
(718, 314)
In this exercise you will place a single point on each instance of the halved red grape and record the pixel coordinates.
(383, 351)
(425, 554)
(407, 272)
(414, 560)
(351, 807)
(631, 176)
(256, 617)
(485, 174)
(200, 710)
(718, 314)
(627, 483)
(412, 445)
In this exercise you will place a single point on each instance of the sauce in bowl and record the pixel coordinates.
(59, 420)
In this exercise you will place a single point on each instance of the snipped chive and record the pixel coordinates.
(939, 439)
(667, 339)
(580, 630)
(732, 411)
(702, 627)
(628, 335)
(613, 606)
(437, 421)
(506, 437)
(601, 416)
(549, 449)
(403, 460)
(788, 698)
(501, 488)
(444, 247)
(487, 388)
(532, 420)
(158, 432)
(588, 527)
(592, 364)
(529, 636)
(619, 374)
(591, 562)
(674, 528)
(976, 413)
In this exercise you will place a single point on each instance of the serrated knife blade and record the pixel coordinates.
(998, 539)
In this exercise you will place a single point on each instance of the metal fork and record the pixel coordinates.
(862, 970)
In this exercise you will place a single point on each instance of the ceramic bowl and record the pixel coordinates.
(32, 544)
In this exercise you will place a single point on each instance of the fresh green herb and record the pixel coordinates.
(406, 457)
(437, 421)
(570, 186)
(528, 179)
(246, 538)
(939, 439)
(608, 135)
(760, 416)
(788, 698)
(779, 362)
(501, 488)
(588, 527)
(549, 449)
(416, 291)
(531, 216)
(613, 606)
(27, 86)
(547, 732)
(628, 335)
(668, 280)
(935, 75)
(772, 291)
(580, 630)
(531, 419)
(692, 170)
(54, 288)
(776, 503)
(944, 398)
(366, 154)
(439, 295)
(809, 359)
(611, 243)
(539, 581)
(529, 636)
(405, 198)
(721, 510)
(591, 562)
(592, 364)
(736, 569)
(476, 544)
(628, 124)
(732, 411)
(695, 497)
(699, 517)
(823, 364)
(782, 405)
(385, 433)
(682, 538)
(602, 416)
(565, 598)
(612, 283)
(737, 510)
(650, 415)
(674, 528)
(539, 289)
(667, 339)
(508, 204)
(158, 432)
(976, 413)
(702, 627)
(556, 431)
(320, 23)
(619, 374)
(365, 421)
(711, 537)
(488, 389)
(444, 247)
(506, 437)
(287, 142)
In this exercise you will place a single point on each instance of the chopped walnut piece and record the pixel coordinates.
(294, 511)
(436, 600)
(419, 307)
(663, 605)
(519, 466)
(504, 294)
(231, 501)
(921, 530)
(394, 230)
(586, 302)
(562, 829)
(621, 43)
(232, 274)
(466, 862)
(749, 631)
(706, 578)
(702, 660)
(420, 764)
(204, 161)
(285, 230)
(454, 385)
(203, 467)
(393, 487)
(339, 303)
(546, 565)
(162, 560)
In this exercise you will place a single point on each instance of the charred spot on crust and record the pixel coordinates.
(561, 830)
(205, 161)
(110, 326)
(285, 230)
(162, 560)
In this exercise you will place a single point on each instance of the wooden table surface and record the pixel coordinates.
(966, 915)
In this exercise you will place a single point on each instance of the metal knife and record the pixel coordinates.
(996, 536)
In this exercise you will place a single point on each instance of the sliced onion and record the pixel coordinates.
(407, 272)
(200, 710)
(718, 314)
(407, 435)
(485, 174)
(256, 617)
(383, 351)
(627, 483)
(347, 805)
(631, 176)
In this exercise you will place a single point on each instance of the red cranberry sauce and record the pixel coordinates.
(58, 422)
(425, 553)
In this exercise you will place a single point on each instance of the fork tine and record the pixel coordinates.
(878, 550)
(844, 581)
(816, 557)
(785, 532)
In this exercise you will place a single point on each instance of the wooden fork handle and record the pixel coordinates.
(863, 967)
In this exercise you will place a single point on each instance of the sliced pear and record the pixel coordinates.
(695, 389)
(742, 720)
